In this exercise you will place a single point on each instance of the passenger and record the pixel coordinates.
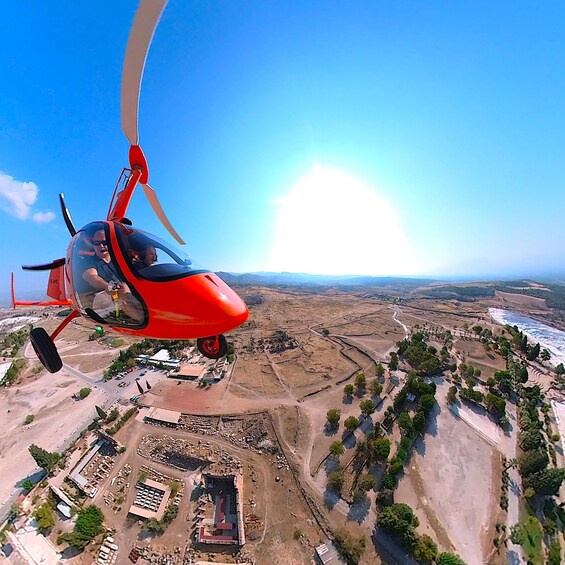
(112, 295)
(147, 257)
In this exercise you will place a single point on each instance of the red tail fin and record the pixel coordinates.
(55, 289)
(56, 285)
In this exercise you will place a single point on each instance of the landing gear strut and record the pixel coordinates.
(213, 347)
(45, 350)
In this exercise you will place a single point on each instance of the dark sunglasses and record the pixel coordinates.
(100, 242)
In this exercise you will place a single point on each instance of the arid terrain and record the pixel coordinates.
(293, 359)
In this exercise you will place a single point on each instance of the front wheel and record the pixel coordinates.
(45, 350)
(213, 347)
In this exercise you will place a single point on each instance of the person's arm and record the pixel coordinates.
(92, 277)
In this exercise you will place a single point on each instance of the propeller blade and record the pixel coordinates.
(47, 267)
(144, 24)
(156, 205)
(67, 216)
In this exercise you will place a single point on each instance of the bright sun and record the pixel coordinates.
(331, 223)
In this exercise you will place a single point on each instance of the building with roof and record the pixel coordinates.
(327, 554)
(225, 524)
(76, 474)
(162, 416)
(151, 499)
(161, 358)
(190, 371)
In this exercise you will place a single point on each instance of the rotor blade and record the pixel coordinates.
(46, 267)
(67, 215)
(144, 24)
(156, 205)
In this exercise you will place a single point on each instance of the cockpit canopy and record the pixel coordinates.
(151, 258)
(105, 291)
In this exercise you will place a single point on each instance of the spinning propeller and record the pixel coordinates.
(141, 34)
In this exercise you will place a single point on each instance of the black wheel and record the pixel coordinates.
(212, 347)
(45, 350)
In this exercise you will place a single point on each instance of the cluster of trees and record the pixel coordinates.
(87, 527)
(350, 548)
(534, 461)
(45, 514)
(398, 521)
(44, 459)
(125, 417)
(12, 342)
(159, 526)
(419, 355)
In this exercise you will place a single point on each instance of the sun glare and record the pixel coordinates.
(331, 223)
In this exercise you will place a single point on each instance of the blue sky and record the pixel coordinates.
(331, 137)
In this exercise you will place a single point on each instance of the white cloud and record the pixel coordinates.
(43, 217)
(17, 197)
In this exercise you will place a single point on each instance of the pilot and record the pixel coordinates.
(112, 295)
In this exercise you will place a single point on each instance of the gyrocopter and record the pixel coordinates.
(125, 278)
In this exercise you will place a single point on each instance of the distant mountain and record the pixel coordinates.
(304, 279)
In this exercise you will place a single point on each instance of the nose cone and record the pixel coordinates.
(232, 310)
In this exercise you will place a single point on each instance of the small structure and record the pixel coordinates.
(162, 416)
(29, 546)
(151, 499)
(190, 371)
(326, 554)
(64, 509)
(411, 397)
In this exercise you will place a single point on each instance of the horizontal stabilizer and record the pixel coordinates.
(46, 267)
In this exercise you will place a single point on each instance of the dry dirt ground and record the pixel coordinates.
(297, 383)
(57, 417)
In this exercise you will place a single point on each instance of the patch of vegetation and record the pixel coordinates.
(29, 419)
(350, 548)
(44, 459)
(84, 392)
(13, 372)
(87, 527)
(117, 342)
(126, 416)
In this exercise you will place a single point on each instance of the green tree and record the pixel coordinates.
(425, 550)
(336, 448)
(532, 462)
(560, 369)
(376, 387)
(405, 422)
(100, 412)
(426, 403)
(325, 332)
(44, 459)
(533, 352)
(335, 480)
(547, 481)
(380, 370)
(367, 407)
(84, 392)
(351, 423)
(393, 363)
(45, 516)
(366, 482)
(139, 387)
(29, 419)
(333, 415)
(350, 548)
(380, 449)
(452, 394)
(419, 421)
(446, 558)
(399, 521)
(360, 381)
(348, 389)
(27, 485)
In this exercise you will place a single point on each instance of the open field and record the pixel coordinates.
(289, 371)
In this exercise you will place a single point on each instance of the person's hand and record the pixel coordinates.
(113, 286)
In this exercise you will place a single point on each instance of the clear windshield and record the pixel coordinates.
(152, 258)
